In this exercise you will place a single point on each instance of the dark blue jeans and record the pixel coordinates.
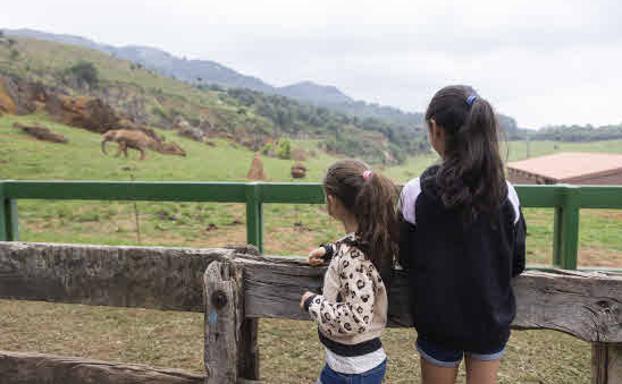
(373, 376)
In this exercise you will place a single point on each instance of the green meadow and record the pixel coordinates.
(179, 224)
(289, 350)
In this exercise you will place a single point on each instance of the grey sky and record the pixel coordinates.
(543, 62)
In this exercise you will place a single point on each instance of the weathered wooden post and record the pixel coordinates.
(230, 341)
(606, 363)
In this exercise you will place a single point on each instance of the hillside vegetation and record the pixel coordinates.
(207, 72)
(578, 133)
(251, 118)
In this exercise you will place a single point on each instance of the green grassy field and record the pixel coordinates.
(290, 352)
(208, 224)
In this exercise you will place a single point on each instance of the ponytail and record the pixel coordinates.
(371, 198)
(471, 177)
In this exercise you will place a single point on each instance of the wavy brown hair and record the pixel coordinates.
(471, 177)
(372, 201)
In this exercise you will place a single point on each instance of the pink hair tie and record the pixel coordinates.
(367, 174)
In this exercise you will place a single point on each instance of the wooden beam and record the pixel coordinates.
(145, 277)
(35, 368)
(586, 305)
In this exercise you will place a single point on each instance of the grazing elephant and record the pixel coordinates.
(136, 139)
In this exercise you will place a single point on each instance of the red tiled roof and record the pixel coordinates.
(564, 166)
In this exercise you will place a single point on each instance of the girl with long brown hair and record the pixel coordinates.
(351, 312)
(462, 241)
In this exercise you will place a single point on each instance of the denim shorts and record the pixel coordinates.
(449, 357)
(373, 376)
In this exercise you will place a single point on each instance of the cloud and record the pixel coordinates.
(554, 61)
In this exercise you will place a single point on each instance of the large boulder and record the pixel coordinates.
(180, 123)
(192, 133)
(83, 112)
(41, 133)
(7, 104)
(185, 129)
(21, 97)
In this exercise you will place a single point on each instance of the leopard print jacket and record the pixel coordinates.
(353, 306)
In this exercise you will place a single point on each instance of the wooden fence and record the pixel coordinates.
(234, 287)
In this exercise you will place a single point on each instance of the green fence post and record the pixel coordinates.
(3, 216)
(566, 243)
(8, 220)
(254, 216)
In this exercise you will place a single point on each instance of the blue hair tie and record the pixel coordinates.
(471, 99)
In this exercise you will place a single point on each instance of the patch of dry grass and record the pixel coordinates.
(289, 350)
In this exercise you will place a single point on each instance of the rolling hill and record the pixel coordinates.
(251, 118)
(206, 72)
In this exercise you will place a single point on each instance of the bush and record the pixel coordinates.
(160, 112)
(284, 149)
(85, 72)
(267, 149)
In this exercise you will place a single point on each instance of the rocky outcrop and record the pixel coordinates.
(21, 97)
(184, 129)
(192, 133)
(83, 112)
(41, 133)
(170, 148)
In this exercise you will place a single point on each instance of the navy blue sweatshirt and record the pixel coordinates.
(460, 272)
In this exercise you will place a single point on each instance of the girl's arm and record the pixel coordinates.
(353, 312)
(406, 253)
(407, 220)
(520, 234)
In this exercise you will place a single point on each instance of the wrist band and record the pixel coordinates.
(329, 251)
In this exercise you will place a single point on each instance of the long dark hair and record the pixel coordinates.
(471, 176)
(371, 198)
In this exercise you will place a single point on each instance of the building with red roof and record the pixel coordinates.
(569, 168)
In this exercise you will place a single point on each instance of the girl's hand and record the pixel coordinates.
(316, 257)
(304, 298)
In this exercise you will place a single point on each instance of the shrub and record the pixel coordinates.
(85, 72)
(284, 149)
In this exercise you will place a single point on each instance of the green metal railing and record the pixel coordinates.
(565, 199)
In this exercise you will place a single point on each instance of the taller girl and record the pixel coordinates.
(462, 241)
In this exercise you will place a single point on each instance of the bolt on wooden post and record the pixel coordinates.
(230, 340)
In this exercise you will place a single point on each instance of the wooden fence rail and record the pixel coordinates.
(235, 286)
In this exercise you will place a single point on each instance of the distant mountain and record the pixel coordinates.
(191, 71)
(59, 38)
(162, 62)
(142, 97)
(206, 72)
(314, 93)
